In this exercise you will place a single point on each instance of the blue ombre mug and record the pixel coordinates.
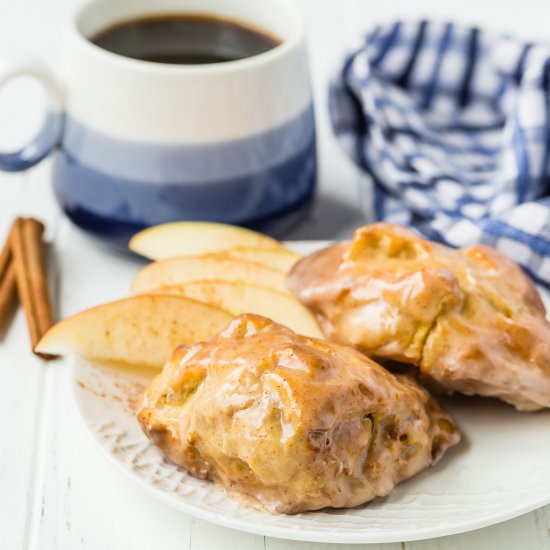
(141, 143)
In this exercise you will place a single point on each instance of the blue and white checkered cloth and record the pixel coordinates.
(453, 124)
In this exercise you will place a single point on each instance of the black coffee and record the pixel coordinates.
(184, 39)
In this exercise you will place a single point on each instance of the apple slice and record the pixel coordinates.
(143, 330)
(280, 259)
(196, 238)
(237, 298)
(187, 269)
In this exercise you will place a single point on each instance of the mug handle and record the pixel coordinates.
(49, 134)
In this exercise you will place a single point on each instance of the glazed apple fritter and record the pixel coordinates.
(470, 319)
(291, 423)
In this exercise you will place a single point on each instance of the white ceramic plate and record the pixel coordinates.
(499, 471)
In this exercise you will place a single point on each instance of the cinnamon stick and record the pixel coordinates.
(32, 282)
(8, 290)
(32, 235)
(5, 254)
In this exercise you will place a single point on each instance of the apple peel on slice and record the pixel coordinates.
(188, 269)
(196, 238)
(238, 298)
(142, 330)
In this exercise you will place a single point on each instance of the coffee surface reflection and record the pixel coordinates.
(184, 39)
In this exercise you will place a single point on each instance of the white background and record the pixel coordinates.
(56, 492)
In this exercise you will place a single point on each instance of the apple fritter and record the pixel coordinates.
(469, 319)
(291, 423)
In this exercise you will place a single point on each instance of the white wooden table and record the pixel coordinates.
(56, 491)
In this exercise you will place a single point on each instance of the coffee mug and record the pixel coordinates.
(140, 143)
